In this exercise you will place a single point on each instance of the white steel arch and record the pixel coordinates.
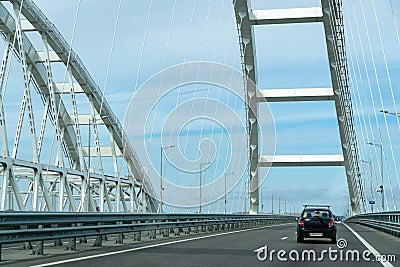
(330, 14)
(65, 185)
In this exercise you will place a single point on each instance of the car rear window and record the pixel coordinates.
(309, 213)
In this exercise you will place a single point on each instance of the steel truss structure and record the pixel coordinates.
(69, 183)
(330, 14)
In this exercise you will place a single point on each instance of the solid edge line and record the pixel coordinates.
(368, 246)
(150, 246)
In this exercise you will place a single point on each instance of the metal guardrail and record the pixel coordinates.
(16, 227)
(388, 222)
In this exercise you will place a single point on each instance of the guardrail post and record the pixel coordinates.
(177, 231)
(152, 234)
(39, 247)
(166, 232)
(57, 242)
(27, 245)
(72, 244)
(99, 238)
(98, 242)
(186, 230)
(137, 236)
(120, 236)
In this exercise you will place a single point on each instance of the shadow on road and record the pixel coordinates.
(317, 241)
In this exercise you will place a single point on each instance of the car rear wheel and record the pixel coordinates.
(300, 239)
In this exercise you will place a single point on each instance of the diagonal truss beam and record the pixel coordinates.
(61, 180)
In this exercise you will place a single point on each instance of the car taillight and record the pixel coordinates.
(330, 223)
(301, 223)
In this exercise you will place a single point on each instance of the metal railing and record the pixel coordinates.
(388, 222)
(17, 227)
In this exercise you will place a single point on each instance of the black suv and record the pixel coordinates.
(316, 221)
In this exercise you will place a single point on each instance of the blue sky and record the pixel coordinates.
(288, 56)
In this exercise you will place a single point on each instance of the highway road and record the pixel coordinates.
(237, 249)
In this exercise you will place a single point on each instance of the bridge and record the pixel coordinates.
(193, 132)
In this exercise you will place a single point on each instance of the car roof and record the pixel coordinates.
(317, 208)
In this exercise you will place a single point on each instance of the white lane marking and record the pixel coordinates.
(285, 237)
(148, 246)
(368, 246)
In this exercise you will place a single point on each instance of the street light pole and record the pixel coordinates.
(371, 189)
(272, 203)
(262, 198)
(390, 113)
(285, 207)
(225, 201)
(200, 171)
(396, 114)
(381, 187)
(162, 149)
(262, 201)
(279, 205)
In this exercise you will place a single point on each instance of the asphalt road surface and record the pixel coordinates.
(237, 249)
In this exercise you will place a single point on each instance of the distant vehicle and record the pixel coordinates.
(338, 219)
(316, 221)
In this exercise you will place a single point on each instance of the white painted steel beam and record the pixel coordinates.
(42, 184)
(285, 16)
(27, 26)
(41, 56)
(335, 44)
(83, 119)
(330, 15)
(105, 151)
(302, 94)
(301, 160)
(65, 88)
(247, 53)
